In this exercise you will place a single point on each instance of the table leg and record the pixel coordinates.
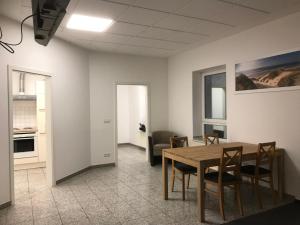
(200, 193)
(165, 176)
(280, 174)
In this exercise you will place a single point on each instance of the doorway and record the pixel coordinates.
(31, 155)
(132, 122)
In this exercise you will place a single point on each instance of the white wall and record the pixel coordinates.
(105, 71)
(138, 114)
(123, 114)
(70, 88)
(132, 110)
(256, 117)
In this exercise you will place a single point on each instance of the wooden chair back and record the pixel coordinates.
(231, 160)
(211, 139)
(179, 142)
(265, 155)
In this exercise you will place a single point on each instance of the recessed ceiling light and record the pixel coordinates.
(88, 23)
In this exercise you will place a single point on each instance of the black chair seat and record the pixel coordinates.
(185, 168)
(250, 170)
(214, 176)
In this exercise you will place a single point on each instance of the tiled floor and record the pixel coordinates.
(130, 194)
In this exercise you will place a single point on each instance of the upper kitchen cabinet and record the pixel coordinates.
(23, 84)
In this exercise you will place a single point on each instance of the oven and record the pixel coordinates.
(25, 145)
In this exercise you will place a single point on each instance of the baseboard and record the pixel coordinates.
(130, 144)
(72, 175)
(82, 171)
(102, 165)
(5, 205)
(123, 144)
(139, 147)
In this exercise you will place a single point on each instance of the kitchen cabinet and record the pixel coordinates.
(29, 83)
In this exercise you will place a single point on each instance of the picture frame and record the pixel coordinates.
(274, 73)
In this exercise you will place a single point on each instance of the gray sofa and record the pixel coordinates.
(158, 141)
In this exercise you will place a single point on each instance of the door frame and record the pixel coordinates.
(148, 125)
(49, 126)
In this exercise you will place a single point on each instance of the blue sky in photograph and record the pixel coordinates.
(288, 58)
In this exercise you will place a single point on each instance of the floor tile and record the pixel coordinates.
(52, 220)
(72, 216)
(128, 194)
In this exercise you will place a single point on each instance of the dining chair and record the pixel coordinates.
(262, 170)
(210, 139)
(227, 176)
(183, 169)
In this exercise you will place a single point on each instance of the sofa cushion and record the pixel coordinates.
(157, 149)
(185, 168)
(161, 137)
(226, 177)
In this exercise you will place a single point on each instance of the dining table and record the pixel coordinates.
(202, 157)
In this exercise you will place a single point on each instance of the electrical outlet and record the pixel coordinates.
(107, 155)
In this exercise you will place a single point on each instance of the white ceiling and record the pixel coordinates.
(160, 27)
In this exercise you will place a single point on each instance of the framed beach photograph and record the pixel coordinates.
(280, 71)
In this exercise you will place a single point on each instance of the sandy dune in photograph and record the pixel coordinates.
(279, 77)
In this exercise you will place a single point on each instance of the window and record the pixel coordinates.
(221, 130)
(215, 96)
(209, 103)
(214, 104)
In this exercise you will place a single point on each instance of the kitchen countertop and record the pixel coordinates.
(24, 130)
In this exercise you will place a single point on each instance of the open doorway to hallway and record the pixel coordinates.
(132, 121)
(30, 132)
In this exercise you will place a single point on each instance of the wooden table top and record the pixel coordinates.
(210, 152)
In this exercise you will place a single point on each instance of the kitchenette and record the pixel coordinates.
(29, 120)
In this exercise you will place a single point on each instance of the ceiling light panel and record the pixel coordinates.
(88, 23)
